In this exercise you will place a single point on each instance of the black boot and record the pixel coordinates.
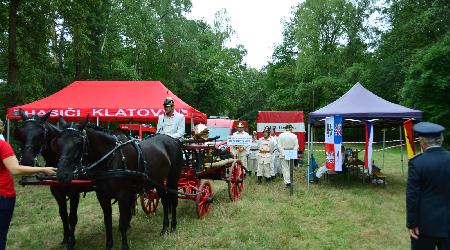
(249, 173)
(259, 179)
(267, 179)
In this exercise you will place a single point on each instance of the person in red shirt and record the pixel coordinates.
(10, 164)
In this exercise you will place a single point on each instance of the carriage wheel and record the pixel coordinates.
(150, 201)
(236, 181)
(204, 199)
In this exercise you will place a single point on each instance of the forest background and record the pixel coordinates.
(328, 45)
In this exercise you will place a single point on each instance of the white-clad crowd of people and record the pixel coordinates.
(265, 156)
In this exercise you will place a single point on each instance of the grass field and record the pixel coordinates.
(341, 214)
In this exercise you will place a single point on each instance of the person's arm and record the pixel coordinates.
(12, 164)
(159, 125)
(296, 144)
(181, 127)
(280, 146)
(412, 197)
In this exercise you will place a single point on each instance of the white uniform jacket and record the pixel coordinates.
(287, 141)
(265, 150)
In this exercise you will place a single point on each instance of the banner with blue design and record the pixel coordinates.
(333, 142)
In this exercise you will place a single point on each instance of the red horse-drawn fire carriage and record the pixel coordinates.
(204, 161)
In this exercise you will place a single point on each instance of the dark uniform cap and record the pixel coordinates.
(428, 129)
(168, 101)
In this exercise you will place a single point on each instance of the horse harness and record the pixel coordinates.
(43, 145)
(88, 172)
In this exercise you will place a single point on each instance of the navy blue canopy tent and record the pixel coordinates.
(359, 105)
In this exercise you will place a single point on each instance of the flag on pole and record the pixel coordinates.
(333, 142)
(409, 138)
(368, 146)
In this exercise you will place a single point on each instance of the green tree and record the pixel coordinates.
(427, 84)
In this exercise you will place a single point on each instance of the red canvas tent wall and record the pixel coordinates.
(279, 119)
(109, 101)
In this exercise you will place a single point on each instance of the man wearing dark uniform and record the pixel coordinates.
(428, 191)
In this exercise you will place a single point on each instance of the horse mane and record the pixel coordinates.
(106, 132)
(100, 129)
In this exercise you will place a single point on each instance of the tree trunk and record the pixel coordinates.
(12, 43)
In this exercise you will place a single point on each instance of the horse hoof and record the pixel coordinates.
(164, 232)
(64, 241)
(173, 229)
(108, 246)
(70, 244)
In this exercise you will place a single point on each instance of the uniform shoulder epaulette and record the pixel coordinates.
(414, 157)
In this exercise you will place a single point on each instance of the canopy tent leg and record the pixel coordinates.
(7, 129)
(192, 124)
(401, 148)
(309, 150)
(98, 121)
(384, 144)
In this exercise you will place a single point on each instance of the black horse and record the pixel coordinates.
(37, 136)
(121, 168)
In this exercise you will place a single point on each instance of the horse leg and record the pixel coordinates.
(105, 203)
(125, 204)
(62, 206)
(164, 201)
(173, 203)
(73, 218)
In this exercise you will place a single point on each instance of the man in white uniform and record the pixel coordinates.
(265, 156)
(241, 152)
(275, 162)
(287, 141)
(252, 157)
(171, 123)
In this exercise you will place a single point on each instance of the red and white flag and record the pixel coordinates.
(333, 142)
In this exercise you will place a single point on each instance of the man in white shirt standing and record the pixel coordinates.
(287, 141)
(253, 155)
(264, 156)
(241, 152)
(275, 161)
(171, 123)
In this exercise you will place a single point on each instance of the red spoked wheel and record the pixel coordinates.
(236, 181)
(150, 201)
(204, 199)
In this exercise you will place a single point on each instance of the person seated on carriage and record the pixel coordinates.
(208, 154)
(171, 123)
(200, 133)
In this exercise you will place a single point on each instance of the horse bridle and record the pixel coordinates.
(79, 160)
(43, 145)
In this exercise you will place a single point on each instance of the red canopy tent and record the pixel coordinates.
(106, 101)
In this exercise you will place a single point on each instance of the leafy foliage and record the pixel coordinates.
(328, 45)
